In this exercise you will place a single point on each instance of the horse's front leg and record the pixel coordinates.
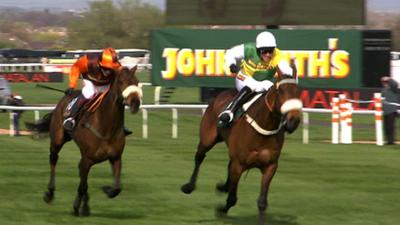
(224, 187)
(84, 167)
(235, 172)
(113, 191)
(267, 175)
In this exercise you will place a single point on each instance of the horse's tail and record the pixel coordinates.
(41, 126)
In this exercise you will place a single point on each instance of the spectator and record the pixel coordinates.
(390, 94)
(16, 100)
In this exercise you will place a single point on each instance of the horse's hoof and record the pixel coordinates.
(221, 187)
(187, 188)
(75, 212)
(85, 211)
(110, 191)
(48, 197)
(221, 211)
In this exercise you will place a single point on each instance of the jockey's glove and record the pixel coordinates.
(233, 68)
(69, 91)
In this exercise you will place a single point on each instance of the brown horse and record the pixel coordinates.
(99, 136)
(254, 140)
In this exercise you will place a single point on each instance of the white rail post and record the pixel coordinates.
(378, 118)
(157, 93)
(37, 115)
(349, 123)
(174, 123)
(342, 109)
(11, 131)
(335, 120)
(144, 123)
(306, 123)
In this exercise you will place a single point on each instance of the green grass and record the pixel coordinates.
(316, 184)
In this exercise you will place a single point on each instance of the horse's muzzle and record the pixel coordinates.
(292, 124)
(134, 106)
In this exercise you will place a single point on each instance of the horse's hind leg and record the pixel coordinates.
(199, 157)
(53, 158)
(268, 174)
(208, 138)
(113, 191)
(84, 167)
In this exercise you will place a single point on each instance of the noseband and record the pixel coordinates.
(130, 90)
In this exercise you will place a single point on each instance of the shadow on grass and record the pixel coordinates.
(117, 214)
(272, 219)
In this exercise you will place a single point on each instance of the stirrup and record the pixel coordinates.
(69, 124)
(225, 117)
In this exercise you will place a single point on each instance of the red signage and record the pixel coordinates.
(32, 77)
(322, 98)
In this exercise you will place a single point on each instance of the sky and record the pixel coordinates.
(382, 5)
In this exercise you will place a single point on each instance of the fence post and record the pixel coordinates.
(37, 115)
(378, 118)
(157, 94)
(335, 120)
(174, 123)
(342, 109)
(349, 123)
(306, 123)
(11, 131)
(144, 123)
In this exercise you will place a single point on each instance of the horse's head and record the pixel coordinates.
(288, 102)
(128, 86)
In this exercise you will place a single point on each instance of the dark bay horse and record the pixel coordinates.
(254, 140)
(99, 136)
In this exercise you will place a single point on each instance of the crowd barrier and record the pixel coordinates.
(341, 112)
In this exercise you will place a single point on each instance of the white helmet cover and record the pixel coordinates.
(265, 39)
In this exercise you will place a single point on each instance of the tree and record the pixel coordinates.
(126, 25)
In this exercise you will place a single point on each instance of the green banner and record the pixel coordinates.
(195, 57)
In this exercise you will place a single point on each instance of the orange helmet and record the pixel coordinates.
(109, 59)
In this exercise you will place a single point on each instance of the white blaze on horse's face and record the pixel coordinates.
(131, 90)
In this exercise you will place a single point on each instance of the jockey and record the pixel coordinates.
(96, 72)
(259, 62)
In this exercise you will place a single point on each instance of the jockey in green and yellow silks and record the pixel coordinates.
(255, 64)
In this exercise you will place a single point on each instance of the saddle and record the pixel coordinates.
(241, 110)
(89, 106)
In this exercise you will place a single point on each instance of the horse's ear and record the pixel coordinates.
(133, 69)
(294, 68)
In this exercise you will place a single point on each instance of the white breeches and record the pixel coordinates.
(89, 89)
(257, 86)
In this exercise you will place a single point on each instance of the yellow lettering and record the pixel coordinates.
(220, 69)
(170, 55)
(319, 64)
(340, 64)
(205, 63)
(301, 58)
(185, 62)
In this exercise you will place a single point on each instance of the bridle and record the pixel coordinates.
(287, 106)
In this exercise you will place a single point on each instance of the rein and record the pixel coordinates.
(254, 123)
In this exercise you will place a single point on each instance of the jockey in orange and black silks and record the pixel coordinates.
(258, 62)
(96, 72)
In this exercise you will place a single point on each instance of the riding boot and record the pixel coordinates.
(69, 122)
(127, 131)
(226, 117)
